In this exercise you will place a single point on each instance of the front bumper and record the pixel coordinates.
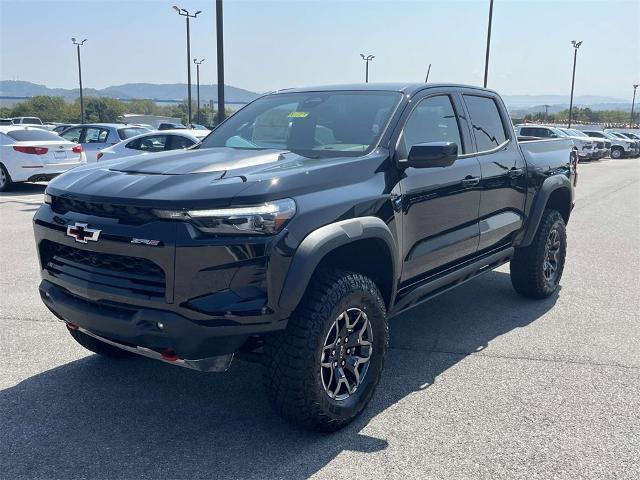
(198, 297)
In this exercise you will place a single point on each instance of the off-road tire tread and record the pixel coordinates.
(290, 354)
(526, 275)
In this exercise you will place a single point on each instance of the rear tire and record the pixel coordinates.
(5, 179)
(340, 328)
(96, 346)
(536, 270)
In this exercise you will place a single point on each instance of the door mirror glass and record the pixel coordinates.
(432, 154)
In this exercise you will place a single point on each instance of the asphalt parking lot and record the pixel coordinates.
(479, 383)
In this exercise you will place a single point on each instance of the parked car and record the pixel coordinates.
(601, 146)
(584, 146)
(170, 126)
(297, 228)
(97, 136)
(29, 154)
(6, 121)
(622, 136)
(620, 148)
(29, 121)
(152, 142)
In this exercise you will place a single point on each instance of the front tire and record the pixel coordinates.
(96, 346)
(617, 153)
(536, 270)
(5, 179)
(322, 370)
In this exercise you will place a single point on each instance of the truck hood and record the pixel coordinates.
(205, 177)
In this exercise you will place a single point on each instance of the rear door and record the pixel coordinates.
(503, 184)
(439, 206)
(95, 139)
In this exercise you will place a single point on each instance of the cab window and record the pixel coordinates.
(487, 123)
(432, 120)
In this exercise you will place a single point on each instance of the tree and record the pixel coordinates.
(99, 109)
(47, 108)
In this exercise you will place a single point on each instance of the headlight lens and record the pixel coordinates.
(265, 219)
(47, 198)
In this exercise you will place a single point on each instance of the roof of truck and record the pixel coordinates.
(407, 88)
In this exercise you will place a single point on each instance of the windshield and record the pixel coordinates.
(578, 133)
(312, 124)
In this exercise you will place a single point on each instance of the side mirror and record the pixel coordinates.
(432, 154)
(553, 135)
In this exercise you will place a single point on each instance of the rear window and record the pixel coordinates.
(37, 134)
(487, 122)
(129, 132)
(32, 120)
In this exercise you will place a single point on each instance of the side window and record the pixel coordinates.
(153, 143)
(73, 134)
(528, 132)
(96, 135)
(488, 127)
(134, 144)
(175, 142)
(433, 120)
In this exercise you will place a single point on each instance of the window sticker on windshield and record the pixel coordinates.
(298, 114)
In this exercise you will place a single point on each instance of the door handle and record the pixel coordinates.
(516, 172)
(470, 181)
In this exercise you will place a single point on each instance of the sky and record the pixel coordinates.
(280, 44)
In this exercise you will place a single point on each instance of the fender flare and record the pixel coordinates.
(322, 241)
(550, 185)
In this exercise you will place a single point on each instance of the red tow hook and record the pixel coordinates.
(72, 326)
(169, 355)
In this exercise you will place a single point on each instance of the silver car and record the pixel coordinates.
(95, 136)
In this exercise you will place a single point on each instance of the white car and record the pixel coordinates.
(152, 142)
(29, 154)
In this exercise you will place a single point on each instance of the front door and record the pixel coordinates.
(439, 204)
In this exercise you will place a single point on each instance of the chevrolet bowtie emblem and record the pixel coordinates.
(81, 232)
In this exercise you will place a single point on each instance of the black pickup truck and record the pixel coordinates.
(297, 228)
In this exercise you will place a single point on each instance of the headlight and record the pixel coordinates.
(47, 198)
(266, 218)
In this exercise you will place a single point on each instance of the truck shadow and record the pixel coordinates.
(19, 189)
(94, 418)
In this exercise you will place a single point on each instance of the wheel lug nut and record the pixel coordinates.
(335, 364)
(333, 352)
(343, 362)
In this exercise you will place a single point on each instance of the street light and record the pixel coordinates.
(367, 59)
(78, 45)
(183, 12)
(633, 104)
(576, 46)
(220, 60)
(486, 58)
(198, 63)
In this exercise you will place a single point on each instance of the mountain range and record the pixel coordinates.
(520, 104)
(171, 91)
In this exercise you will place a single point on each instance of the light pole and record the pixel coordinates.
(576, 46)
(486, 58)
(78, 45)
(546, 112)
(220, 60)
(198, 63)
(426, 80)
(367, 59)
(184, 13)
(633, 104)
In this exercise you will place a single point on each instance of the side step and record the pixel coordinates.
(446, 281)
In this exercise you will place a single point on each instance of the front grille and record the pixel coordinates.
(126, 214)
(121, 274)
